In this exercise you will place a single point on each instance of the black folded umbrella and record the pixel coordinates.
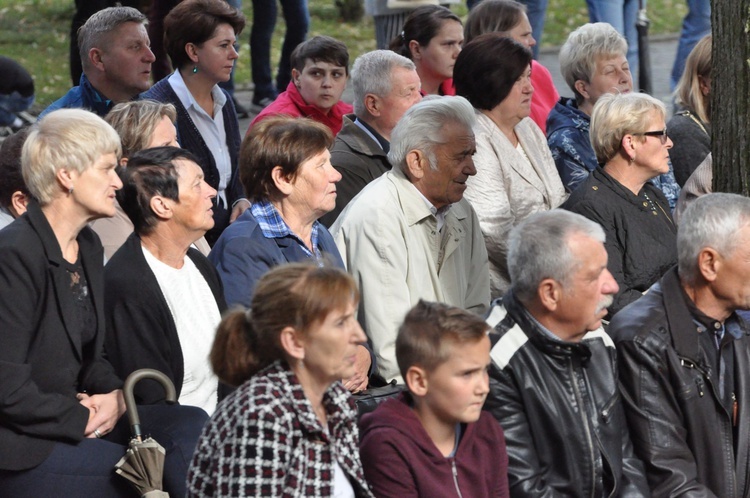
(645, 83)
(143, 463)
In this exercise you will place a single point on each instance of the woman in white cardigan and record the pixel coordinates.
(516, 175)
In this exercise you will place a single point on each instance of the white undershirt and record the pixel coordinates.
(342, 488)
(196, 316)
(211, 129)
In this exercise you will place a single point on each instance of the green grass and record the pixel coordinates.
(35, 32)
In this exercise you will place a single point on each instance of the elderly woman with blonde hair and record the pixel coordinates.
(629, 136)
(60, 400)
(141, 124)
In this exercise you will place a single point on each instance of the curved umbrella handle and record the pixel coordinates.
(127, 391)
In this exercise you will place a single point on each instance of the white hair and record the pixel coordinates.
(420, 128)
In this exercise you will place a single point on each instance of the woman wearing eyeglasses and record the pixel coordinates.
(629, 137)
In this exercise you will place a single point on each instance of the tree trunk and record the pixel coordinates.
(730, 96)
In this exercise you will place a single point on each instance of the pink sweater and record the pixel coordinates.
(545, 95)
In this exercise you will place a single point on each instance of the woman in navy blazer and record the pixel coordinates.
(58, 394)
(286, 170)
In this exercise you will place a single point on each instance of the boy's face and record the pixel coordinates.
(320, 83)
(457, 388)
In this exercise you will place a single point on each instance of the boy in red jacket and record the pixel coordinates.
(434, 439)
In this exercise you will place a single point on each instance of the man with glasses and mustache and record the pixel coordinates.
(553, 380)
(684, 358)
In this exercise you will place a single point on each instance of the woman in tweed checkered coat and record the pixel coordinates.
(290, 428)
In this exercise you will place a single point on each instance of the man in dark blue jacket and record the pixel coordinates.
(116, 57)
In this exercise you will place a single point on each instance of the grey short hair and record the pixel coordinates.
(615, 116)
(583, 47)
(420, 128)
(711, 220)
(372, 74)
(538, 249)
(95, 32)
(71, 139)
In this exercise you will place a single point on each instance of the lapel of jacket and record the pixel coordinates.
(529, 171)
(453, 232)
(59, 275)
(290, 250)
(681, 327)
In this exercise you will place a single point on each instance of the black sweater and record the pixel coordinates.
(140, 330)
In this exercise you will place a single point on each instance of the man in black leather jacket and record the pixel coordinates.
(553, 379)
(684, 358)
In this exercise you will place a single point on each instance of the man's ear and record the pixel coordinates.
(549, 293)
(709, 262)
(295, 77)
(95, 58)
(162, 207)
(292, 343)
(416, 380)
(373, 104)
(282, 182)
(416, 164)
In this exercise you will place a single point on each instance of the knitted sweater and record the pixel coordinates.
(190, 138)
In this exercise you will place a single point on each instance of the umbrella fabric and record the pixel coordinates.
(143, 466)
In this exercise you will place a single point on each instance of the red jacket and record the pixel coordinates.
(292, 104)
(545, 95)
(401, 461)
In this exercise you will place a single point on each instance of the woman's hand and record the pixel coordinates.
(239, 207)
(104, 411)
(358, 381)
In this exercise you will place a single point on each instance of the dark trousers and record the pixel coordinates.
(86, 469)
(297, 20)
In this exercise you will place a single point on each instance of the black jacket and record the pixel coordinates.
(140, 329)
(43, 364)
(680, 429)
(641, 238)
(559, 407)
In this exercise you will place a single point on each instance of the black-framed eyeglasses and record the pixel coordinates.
(661, 134)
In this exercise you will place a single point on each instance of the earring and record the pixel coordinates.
(195, 69)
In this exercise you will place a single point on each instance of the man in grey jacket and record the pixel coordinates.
(385, 85)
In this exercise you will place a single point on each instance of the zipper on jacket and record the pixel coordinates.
(455, 477)
(584, 420)
(735, 409)
(699, 385)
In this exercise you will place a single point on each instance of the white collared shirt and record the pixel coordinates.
(211, 129)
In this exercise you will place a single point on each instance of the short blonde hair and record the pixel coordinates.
(135, 122)
(617, 115)
(583, 49)
(71, 139)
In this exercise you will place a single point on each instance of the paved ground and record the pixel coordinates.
(662, 49)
